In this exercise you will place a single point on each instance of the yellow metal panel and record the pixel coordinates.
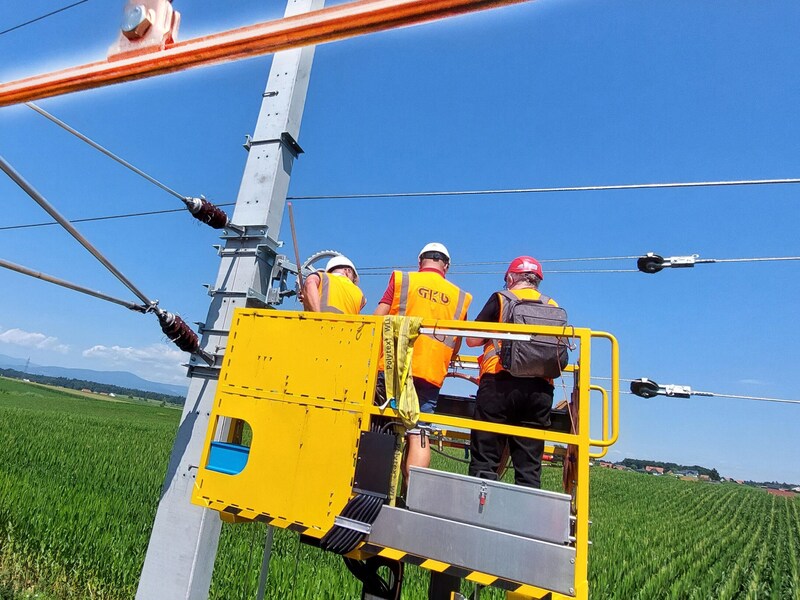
(293, 356)
(302, 383)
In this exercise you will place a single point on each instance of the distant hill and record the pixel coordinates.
(122, 379)
(639, 464)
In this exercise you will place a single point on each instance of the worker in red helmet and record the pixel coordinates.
(503, 398)
(334, 290)
(425, 293)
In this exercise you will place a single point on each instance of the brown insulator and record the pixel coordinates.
(179, 332)
(208, 213)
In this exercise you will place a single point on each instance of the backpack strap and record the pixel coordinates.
(505, 309)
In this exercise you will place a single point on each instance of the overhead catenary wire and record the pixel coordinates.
(42, 17)
(545, 190)
(386, 269)
(647, 388)
(505, 262)
(745, 397)
(735, 396)
(103, 218)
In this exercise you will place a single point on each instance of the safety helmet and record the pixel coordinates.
(525, 264)
(340, 260)
(435, 247)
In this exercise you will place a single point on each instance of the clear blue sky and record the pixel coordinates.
(548, 93)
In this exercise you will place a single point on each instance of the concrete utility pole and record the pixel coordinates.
(183, 544)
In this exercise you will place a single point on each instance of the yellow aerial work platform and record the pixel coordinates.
(296, 441)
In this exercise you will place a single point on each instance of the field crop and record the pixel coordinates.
(80, 479)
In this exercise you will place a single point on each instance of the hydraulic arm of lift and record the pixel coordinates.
(326, 25)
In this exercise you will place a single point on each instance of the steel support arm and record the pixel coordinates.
(326, 25)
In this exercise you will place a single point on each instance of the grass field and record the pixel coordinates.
(80, 478)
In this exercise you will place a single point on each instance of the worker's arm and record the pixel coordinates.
(311, 300)
(456, 348)
(385, 303)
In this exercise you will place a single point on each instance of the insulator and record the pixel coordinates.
(179, 332)
(208, 213)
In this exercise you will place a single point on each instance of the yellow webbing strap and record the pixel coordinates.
(399, 334)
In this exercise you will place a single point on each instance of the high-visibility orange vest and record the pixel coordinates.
(428, 294)
(337, 294)
(489, 362)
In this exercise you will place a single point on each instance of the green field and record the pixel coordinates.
(80, 479)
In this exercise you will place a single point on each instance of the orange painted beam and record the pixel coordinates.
(326, 25)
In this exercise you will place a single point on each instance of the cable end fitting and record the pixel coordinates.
(647, 388)
(653, 263)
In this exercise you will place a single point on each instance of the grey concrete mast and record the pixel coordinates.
(183, 544)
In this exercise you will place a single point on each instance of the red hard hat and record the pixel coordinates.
(525, 264)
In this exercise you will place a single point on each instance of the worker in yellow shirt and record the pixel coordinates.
(425, 293)
(334, 290)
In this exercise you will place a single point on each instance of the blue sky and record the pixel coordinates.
(548, 93)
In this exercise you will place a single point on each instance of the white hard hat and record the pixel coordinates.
(435, 247)
(340, 261)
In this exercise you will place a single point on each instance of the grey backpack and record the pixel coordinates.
(543, 356)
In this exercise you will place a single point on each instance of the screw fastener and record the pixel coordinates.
(137, 22)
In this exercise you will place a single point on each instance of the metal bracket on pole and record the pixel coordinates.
(286, 140)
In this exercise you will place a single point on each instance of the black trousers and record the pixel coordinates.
(511, 401)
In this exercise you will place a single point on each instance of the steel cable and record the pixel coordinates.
(735, 396)
(71, 286)
(42, 17)
(51, 210)
(104, 150)
(540, 190)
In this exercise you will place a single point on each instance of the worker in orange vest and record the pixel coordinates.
(334, 290)
(425, 293)
(503, 398)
